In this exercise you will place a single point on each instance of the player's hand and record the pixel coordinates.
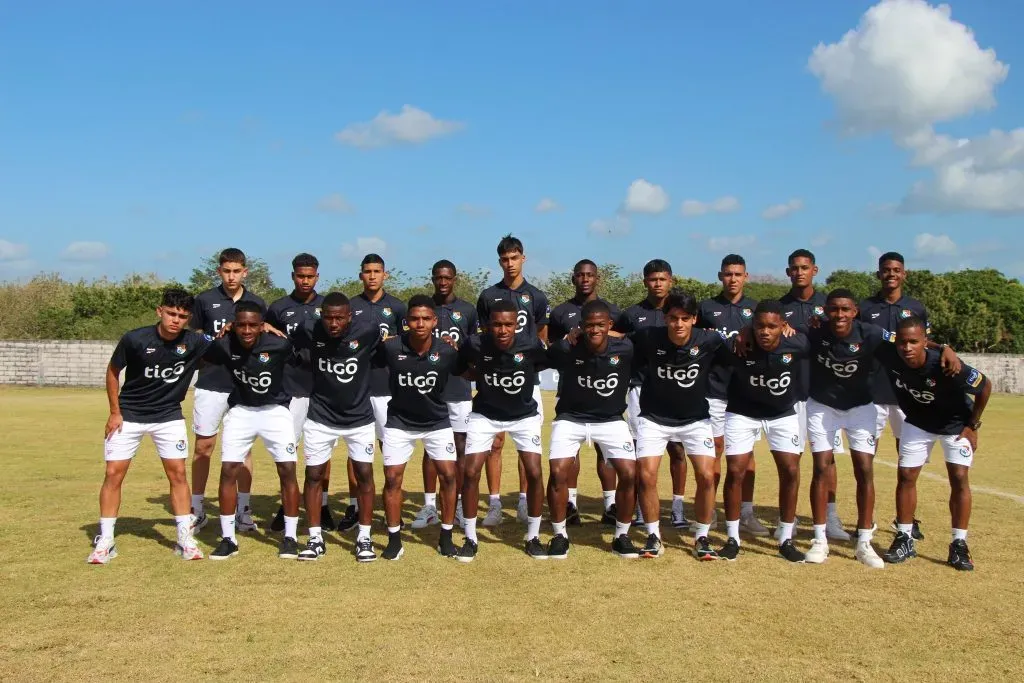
(267, 327)
(787, 330)
(224, 330)
(951, 365)
(971, 437)
(450, 341)
(814, 322)
(114, 424)
(573, 336)
(741, 343)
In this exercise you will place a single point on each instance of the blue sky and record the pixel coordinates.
(141, 136)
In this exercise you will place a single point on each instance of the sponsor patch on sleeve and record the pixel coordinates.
(888, 336)
(975, 378)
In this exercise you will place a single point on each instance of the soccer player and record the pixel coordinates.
(505, 365)
(288, 314)
(565, 317)
(340, 356)
(802, 304)
(376, 308)
(886, 309)
(158, 361)
(258, 408)
(938, 408)
(420, 365)
(760, 399)
(532, 321)
(214, 309)
(677, 361)
(456, 320)
(595, 367)
(727, 313)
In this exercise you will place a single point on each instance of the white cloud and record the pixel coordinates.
(616, 226)
(645, 197)
(874, 252)
(85, 251)
(9, 251)
(335, 203)
(821, 239)
(547, 205)
(777, 211)
(929, 245)
(730, 243)
(363, 246)
(473, 209)
(726, 204)
(411, 126)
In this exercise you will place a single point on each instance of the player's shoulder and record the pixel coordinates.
(915, 305)
(192, 338)
(271, 342)
(248, 295)
(620, 345)
(140, 335)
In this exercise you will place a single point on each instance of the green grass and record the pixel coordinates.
(151, 616)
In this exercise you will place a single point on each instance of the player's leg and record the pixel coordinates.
(208, 410)
(566, 439)
(478, 444)
(863, 471)
(118, 451)
(351, 516)
(298, 407)
(278, 434)
(427, 514)
(440, 445)
(633, 423)
(786, 444)
(239, 433)
(822, 428)
(572, 515)
(493, 469)
(959, 456)
(171, 441)
(697, 439)
(894, 417)
(749, 522)
(606, 475)
(740, 434)
(677, 468)
(318, 442)
(716, 411)
(651, 442)
(525, 435)
(460, 425)
(360, 444)
(617, 444)
(397, 447)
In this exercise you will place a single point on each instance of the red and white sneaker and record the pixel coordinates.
(187, 549)
(104, 550)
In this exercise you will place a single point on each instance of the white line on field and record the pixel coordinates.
(979, 489)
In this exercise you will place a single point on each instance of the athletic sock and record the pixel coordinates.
(609, 499)
(959, 534)
(621, 528)
(447, 527)
(323, 499)
(184, 524)
(676, 497)
(243, 503)
(107, 526)
(227, 528)
(394, 529)
(907, 529)
(532, 527)
(832, 511)
(558, 528)
(364, 531)
(495, 499)
(354, 502)
(785, 531)
(470, 529)
(315, 532)
(291, 527)
(864, 535)
(819, 532)
(701, 529)
(430, 499)
(746, 509)
(732, 528)
(572, 496)
(197, 504)
(522, 497)
(654, 528)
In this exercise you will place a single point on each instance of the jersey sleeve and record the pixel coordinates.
(474, 321)
(119, 359)
(970, 379)
(557, 355)
(801, 343)
(198, 320)
(216, 354)
(482, 312)
(273, 317)
(380, 354)
(541, 309)
(923, 313)
(624, 324)
(877, 336)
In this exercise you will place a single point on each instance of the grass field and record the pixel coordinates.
(151, 616)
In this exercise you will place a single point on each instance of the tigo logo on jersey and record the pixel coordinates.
(747, 312)
(518, 358)
(354, 344)
(456, 316)
(614, 360)
(525, 298)
(264, 357)
(181, 445)
(434, 357)
(386, 312)
(787, 358)
(819, 310)
(695, 350)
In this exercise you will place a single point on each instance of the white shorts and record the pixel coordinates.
(613, 438)
(716, 407)
(272, 424)
(891, 414)
(824, 425)
(399, 444)
(525, 433)
(741, 432)
(319, 442)
(539, 398)
(458, 415)
(170, 439)
(653, 438)
(208, 409)
(801, 412)
(916, 447)
(633, 411)
(380, 414)
(298, 407)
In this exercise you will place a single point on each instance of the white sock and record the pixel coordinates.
(227, 528)
(907, 529)
(676, 497)
(621, 528)
(364, 531)
(522, 498)
(107, 526)
(495, 499)
(746, 509)
(323, 499)
(701, 529)
(732, 528)
(558, 529)
(654, 528)
(609, 499)
(354, 502)
(470, 528)
(197, 504)
(959, 534)
(447, 527)
(394, 529)
(243, 502)
(786, 531)
(291, 527)
(184, 524)
(572, 496)
(832, 512)
(430, 499)
(315, 532)
(532, 527)
(864, 535)
(819, 532)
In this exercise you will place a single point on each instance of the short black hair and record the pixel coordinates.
(733, 260)
(912, 321)
(801, 253)
(768, 306)
(583, 262)
(443, 263)
(372, 258)
(304, 260)
(176, 297)
(509, 243)
(657, 266)
(503, 306)
(840, 293)
(595, 306)
(890, 256)
(421, 301)
(231, 255)
(334, 300)
(684, 301)
(244, 306)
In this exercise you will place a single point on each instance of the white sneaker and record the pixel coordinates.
(244, 521)
(425, 517)
(199, 522)
(818, 552)
(187, 549)
(866, 555)
(750, 525)
(103, 551)
(834, 529)
(521, 511)
(493, 516)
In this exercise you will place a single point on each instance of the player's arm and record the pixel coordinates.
(118, 361)
(541, 316)
(482, 314)
(980, 387)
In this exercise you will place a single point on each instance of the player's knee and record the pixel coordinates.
(204, 448)
(315, 475)
(958, 479)
(705, 477)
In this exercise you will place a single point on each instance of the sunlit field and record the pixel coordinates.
(148, 615)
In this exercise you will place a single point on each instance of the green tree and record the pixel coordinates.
(258, 281)
(862, 285)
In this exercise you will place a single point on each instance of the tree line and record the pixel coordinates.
(979, 311)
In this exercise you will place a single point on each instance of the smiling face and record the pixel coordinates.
(247, 328)
(421, 320)
(595, 330)
(892, 275)
(841, 313)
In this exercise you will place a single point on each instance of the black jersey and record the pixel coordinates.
(213, 310)
(877, 311)
(417, 383)
(594, 386)
(257, 373)
(635, 318)
(531, 303)
(841, 369)
(726, 318)
(157, 372)
(340, 367)
(456, 320)
(289, 314)
(565, 318)
(676, 377)
(387, 315)
(505, 379)
(799, 314)
(761, 385)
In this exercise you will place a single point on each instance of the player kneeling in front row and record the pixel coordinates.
(158, 361)
(258, 408)
(505, 366)
(595, 370)
(939, 409)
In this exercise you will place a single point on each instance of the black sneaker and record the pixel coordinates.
(960, 556)
(653, 547)
(730, 551)
(327, 519)
(288, 549)
(572, 516)
(468, 551)
(535, 549)
(350, 520)
(789, 551)
(623, 547)
(393, 550)
(364, 550)
(225, 549)
(445, 546)
(916, 532)
(278, 523)
(314, 550)
(558, 548)
(702, 549)
(901, 550)
(608, 517)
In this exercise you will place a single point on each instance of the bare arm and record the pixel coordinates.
(542, 334)
(115, 421)
(980, 401)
